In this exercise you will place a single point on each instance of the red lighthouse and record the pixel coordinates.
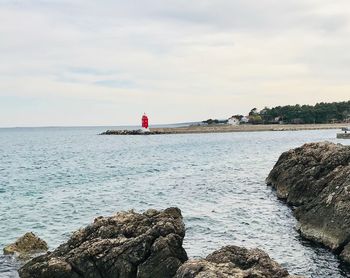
(144, 121)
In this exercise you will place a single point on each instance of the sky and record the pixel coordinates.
(106, 62)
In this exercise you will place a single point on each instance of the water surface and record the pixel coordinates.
(56, 180)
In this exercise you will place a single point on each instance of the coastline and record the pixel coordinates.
(314, 179)
(142, 245)
(244, 128)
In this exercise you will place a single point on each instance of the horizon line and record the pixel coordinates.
(72, 126)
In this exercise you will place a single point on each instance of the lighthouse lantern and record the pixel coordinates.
(144, 122)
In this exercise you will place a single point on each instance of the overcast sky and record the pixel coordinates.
(84, 62)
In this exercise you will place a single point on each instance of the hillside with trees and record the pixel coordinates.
(320, 113)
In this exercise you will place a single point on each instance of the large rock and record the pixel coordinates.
(26, 246)
(126, 245)
(316, 179)
(233, 262)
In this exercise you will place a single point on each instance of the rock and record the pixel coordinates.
(131, 132)
(26, 246)
(234, 262)
(345, 253)
(148, 245)
(125, 245)
(316, 179)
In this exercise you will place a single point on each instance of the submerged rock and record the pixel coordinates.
(316, 179)
(25, 246)
(234, 262)
(126, 245)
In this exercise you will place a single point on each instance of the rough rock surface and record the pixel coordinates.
(131, 132)
(234, 262)
(26, 245)
(316, 179)
(125, 245)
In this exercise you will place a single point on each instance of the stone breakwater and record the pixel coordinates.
(315, 179)
(131, 132)
(194, 129)
(149, 244)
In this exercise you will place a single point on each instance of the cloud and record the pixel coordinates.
(196, 58)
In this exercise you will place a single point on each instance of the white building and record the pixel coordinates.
(233, 121)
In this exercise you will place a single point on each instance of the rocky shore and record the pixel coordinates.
(315, 179)
(149, 244)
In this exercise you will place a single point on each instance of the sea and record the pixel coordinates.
(56, 180)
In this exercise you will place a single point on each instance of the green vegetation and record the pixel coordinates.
(255, 117)
(321, 113)
(213, 122)
(303, 114)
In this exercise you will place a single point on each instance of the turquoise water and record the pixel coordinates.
(56, 180)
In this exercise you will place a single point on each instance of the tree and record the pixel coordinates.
(319, 113)
(255, 119)
(254, 111)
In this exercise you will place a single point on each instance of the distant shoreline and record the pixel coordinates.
(234, 128)
(245, 128)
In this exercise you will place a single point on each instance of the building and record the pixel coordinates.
(233, 121)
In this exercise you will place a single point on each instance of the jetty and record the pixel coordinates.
(131, 132)
(222, 128)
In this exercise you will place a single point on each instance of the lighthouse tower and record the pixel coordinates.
(144, 122)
